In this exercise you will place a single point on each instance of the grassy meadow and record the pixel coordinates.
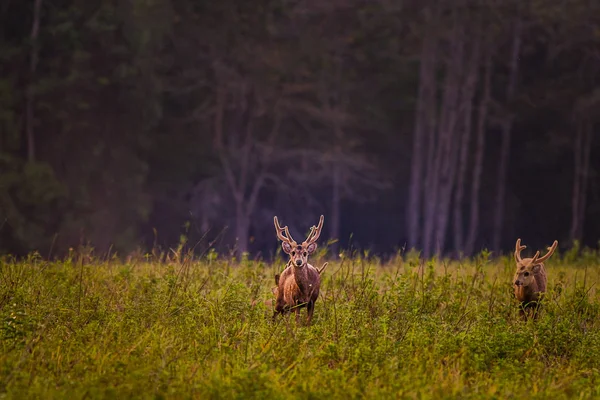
(201, 327)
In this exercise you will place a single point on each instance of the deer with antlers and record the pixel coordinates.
(299, 283)
(530, 278)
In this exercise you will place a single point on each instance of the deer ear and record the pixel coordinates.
(311, 248)
(287, 248)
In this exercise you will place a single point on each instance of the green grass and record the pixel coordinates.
(202, 328)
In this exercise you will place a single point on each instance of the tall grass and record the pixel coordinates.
(202, 328)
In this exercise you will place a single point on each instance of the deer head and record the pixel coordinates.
(527, 267)
(298, 252)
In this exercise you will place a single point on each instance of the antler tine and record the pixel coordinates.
(312, 231)
(518, 249)
(315, 232)
(535, 257)
(280, 230)
(551, 250)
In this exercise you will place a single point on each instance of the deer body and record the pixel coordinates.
(530, 278)
(299, 288)
(299, 284)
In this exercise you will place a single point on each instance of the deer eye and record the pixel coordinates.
(293, 253)
(305, 254)
(526, 274)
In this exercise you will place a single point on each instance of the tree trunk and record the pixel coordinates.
(424, 124)
(431, 178)
(30, 94)
(460, 182)
(585, 172)
(479, 152)
(242, 227)
(219, 117)
(244, 183)
(448, 143)
(334, 104)
(505, 144)
(582, 150)
(335, 208)
(467, 100)
(441, 155)
(575, 197)
(5, 7)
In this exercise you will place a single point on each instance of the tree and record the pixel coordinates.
(506, 125)
(582, 147)
(479, 153)
(467, 106)
(425, 123)
(447, 130)
(30, 117)
(246, 163)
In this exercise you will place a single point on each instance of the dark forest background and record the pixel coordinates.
(448, 126)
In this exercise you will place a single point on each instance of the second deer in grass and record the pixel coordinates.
(530, 278)
(299, 283)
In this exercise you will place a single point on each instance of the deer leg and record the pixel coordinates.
(279, 309)
(522, 313)
(310, 309)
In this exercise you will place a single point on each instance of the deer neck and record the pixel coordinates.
(301, 276)
(533, 288)
(530, 291)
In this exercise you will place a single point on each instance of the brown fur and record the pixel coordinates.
(299, 284)
(530, 279)
(275, 289)
(298, 288)
(530, 287)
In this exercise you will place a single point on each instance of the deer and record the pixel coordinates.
(299, 283)
(530, 278)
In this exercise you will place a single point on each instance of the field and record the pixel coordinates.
(200, 327)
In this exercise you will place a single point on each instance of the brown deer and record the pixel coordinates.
(530, 278)
(299, 283)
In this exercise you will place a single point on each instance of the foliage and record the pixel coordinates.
(201, 327)
(31, 199)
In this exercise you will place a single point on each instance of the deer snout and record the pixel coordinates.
(299, 262)
(518, 282)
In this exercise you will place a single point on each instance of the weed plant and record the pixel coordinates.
(201, 327)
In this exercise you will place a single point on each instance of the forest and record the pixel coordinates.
(444, 126)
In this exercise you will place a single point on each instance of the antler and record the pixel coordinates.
(315, 232)
(280, 230)
(550, 252)
(536, 258)
(518, 249)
